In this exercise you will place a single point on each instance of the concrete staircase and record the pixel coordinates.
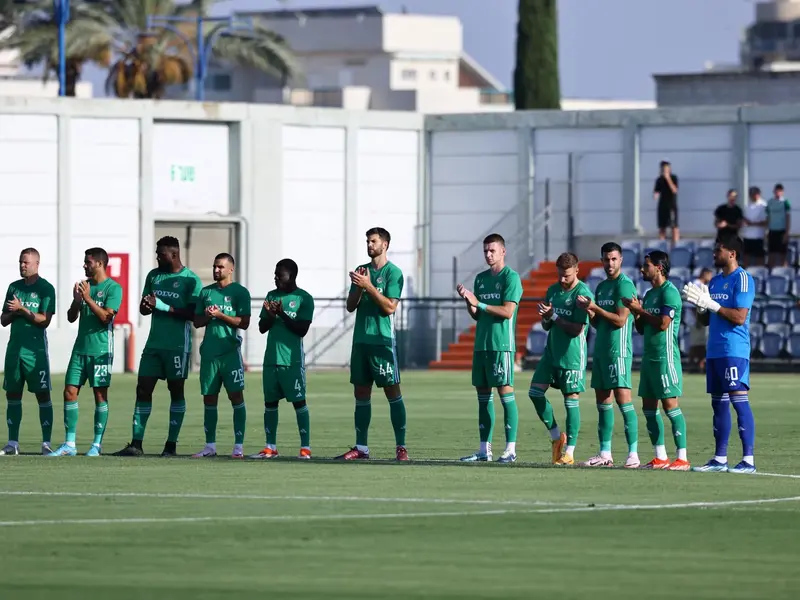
(458, 356)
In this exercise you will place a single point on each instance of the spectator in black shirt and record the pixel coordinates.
(728, 217)
(665, 193)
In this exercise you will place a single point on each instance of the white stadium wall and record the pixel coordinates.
(307, 184)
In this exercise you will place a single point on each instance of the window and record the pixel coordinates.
(408, 75)
(220, 82)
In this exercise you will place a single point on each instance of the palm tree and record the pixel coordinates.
(147, 62)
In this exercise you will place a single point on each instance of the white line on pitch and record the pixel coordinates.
(340, 517)
(787, 476)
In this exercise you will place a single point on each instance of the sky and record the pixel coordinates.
(608, 49)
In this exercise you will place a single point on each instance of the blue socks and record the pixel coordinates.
(747, 423)
(722, 422)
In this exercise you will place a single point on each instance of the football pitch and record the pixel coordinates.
(179, 528)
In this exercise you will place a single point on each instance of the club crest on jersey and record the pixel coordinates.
(725, 287)
(176, 285)
(34, 295)
(292, 304)
(379, 280)
(497, 286)
(100, 294)
(568, 301)
(227, 298)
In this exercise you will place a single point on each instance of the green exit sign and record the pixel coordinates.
(182, 173)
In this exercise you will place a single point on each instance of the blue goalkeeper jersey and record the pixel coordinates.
(726, 340)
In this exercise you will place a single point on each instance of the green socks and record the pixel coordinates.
(271, 424)
(14, 418)
(510, 417)
(631, 422)
(605, 425)
(210, 416)
(46, 420)
(543, 408)
(362, 418)
(71, 421)
(239, 422)
(304, 426)
(177, 410)
(573, 421)
(655, 426)
(141, 413)
(100, 421)
(678, 422)
(397, 414)
(485, 417)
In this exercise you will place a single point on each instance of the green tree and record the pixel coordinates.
(536, 81)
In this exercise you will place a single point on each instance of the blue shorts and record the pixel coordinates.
(726, 375)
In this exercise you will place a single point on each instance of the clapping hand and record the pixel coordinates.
(545, 310)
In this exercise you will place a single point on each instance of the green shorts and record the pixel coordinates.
(374, 364)
(164, 364)
(216, 371)
(284, 382)
(94, 369)
(660, 379)
(569, 381)
(611, 372)
(491, 369)
(26, 366)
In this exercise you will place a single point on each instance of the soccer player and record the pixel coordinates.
(170, 295)
(613, 357)
(494, 304)
(563, 364)
(223, 308)
(29, 307)
(287, 314)
(658, 318)
(95, 301)
(725, 306)
(374, 295)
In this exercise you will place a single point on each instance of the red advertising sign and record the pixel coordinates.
(118, 271)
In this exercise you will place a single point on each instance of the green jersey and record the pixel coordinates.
(778, 210)
(373, 326)
(39, 297)
(565, 351)
(613, 341)
(495, 333)
(95, 338)
(663, 345)
(233, 300)
(285, 348)
(179, 290)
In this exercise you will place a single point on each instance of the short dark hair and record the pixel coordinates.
(610, 247)
(705, 270)
(567, 260)
(494, 238)
(32, 251)
(660, 260)
(225, 256)
(755, 191)
(664, 163)
(778, 187)
(732, 242)
(98, 254)
(732, 191)
(381, 233)
(289, 265)
(168, 242)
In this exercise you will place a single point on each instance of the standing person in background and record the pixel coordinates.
(698, 332)
(728, 216)
(779, 222)
(755, 224)
(665, 192)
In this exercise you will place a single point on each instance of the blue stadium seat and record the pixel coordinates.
(706, 243)
(656, 244)
(793, 254)
(783, 329)
(796, 328)
(704, 257)
(632, 272)
(638, 344)
(682, 272)
(681, 257)
(537, 340)
(783, 272)
(630, 257)
(796, 286)
(641, 287)
(793, 345)
(691, 244)
(794, 315)
(775, 312)
(777, 287)
(635, 245)
(756, 333)
(597, 272)
(771, 345)
(593, 281)
(756, 312)
(677, 281)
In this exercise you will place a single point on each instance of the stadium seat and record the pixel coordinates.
(761, 272)
(756, 312)
(704, 257)
(662, 245)
(677, 281)
(796, 328)
(682, 272)
(783, 329)
(638, 344)
(783, 272)
(630, 257)
(593, 281)
(794, 315)
(775, 312)
(792, 254)
(597, 272)
(537, 340)
(635, 245)
(691, 244)
(641, 287)
(771, 345)
(681, 257)
(796, 286)
(778, 287)
(706, 243)
(756, 333)
(632, 272)
(793, 345)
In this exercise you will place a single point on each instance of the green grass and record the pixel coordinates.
(75, 528)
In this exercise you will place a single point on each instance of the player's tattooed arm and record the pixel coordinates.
(550, 319)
